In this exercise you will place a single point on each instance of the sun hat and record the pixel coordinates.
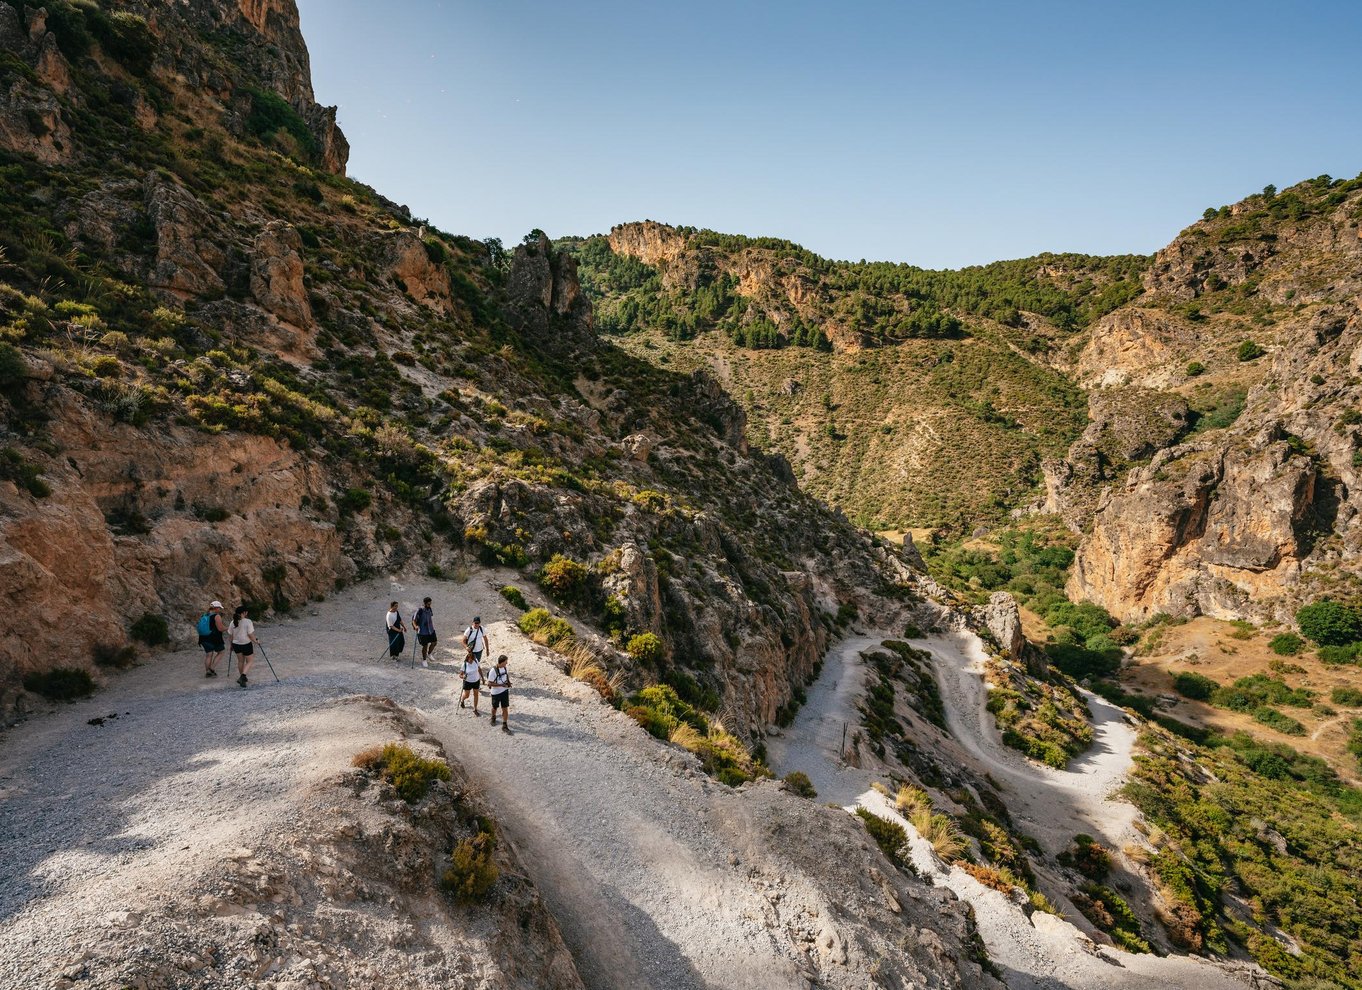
(215, 604)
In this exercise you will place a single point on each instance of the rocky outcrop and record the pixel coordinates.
(189, 259)
(32, 120)
(1136, 346)
(547, 295)
(1001, 618)
(650, 242)
(405, 259)
(277, 274)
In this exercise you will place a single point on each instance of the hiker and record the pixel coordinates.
(244, 641)
(211, 629)
(397, 639)
(499, 687)
(472, 681)
(423, 621)
(475, 638)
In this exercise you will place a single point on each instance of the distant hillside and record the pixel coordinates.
(907, 397)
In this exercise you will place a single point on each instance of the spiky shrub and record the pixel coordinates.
(411, 775)
(545, 629)
(60, 683)
(564, 577)
(472, 872)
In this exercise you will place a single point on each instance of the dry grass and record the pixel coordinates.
(879, 788)
(585, 665)
(943, 834)
(911, 801)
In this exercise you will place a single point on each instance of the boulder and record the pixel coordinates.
(277, 274)
(1003, 620)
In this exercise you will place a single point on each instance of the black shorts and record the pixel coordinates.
(212, 643)
(425, 639)
(472, 685)
(502, 700)
(243, 649)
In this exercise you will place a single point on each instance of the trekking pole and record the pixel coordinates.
(392, 638)
(267, 661)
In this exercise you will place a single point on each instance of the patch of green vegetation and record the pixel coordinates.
(662, 713)
(60, 683)
(798, 782)
(25, 474)
(151, 629)
(1286, 644)
(1218, 410)
(270, 114)
(889, 836)
(411, 775)
(565, 578)
(645, 648)
(546, 629)
(1109, 911)
(1238, 818)
(515, 596)
(1196, 686)
(1330, 623)
(472, 869)
(1347, 696)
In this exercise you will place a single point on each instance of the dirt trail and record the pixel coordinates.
(1049, 953)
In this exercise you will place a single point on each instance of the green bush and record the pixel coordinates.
(1088, 857)
(659, 709)
(564, 577)
(1330, 623)
(472, 871)
(1109, 911)
(515, 596)
(270, 113)
(13, 368)
(410, 775)
(109, 655)
(1286, 644)
(1195, 368)
(799, 783)
(60, 683)
(1274, 719)
(1198, 687)
(645, 648)
(1346, 696)
(1339, 655)
(1249, 351)
(151, 629)
(355, 500)
(545, 629)
(16, 468)
(889, 836)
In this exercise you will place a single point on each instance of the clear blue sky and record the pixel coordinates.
(943, 133)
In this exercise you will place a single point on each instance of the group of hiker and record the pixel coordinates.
(215, 632)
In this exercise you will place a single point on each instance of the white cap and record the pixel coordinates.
(215, 604)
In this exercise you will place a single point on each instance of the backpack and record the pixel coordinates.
(206, 624)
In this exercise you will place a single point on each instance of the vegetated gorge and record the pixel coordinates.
(1046, 569)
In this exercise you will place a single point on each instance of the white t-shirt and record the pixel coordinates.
(499, 679)
(394, 618)
(472, 673)
(477, 639)
(241, 632)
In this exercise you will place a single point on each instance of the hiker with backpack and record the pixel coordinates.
(472, 681)
(475, 639)
(397, 639)
(244, 641)
(499, 687)
(211, 629)
(423, 621)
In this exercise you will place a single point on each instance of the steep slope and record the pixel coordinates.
(906, 397)
(230, 372)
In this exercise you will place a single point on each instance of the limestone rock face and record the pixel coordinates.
(277, 274)
(188, 258)
(1001, 618)
(123, 533)
(634, 579)
(1202, 529)
(729, 419)
(650, 242)
(408, 263)
(1135, 346)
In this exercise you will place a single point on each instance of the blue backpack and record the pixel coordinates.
(206, 624)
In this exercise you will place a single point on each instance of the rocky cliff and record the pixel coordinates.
(1240, 499)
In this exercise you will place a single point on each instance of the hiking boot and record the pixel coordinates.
(241, 680)
(493, 723)
(212, 672)
(463, 704)
(506, 729)
(207, 673)
(425, 664)
(476, 713)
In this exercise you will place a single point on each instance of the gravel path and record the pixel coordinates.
(630, 846)
(1050, 954)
